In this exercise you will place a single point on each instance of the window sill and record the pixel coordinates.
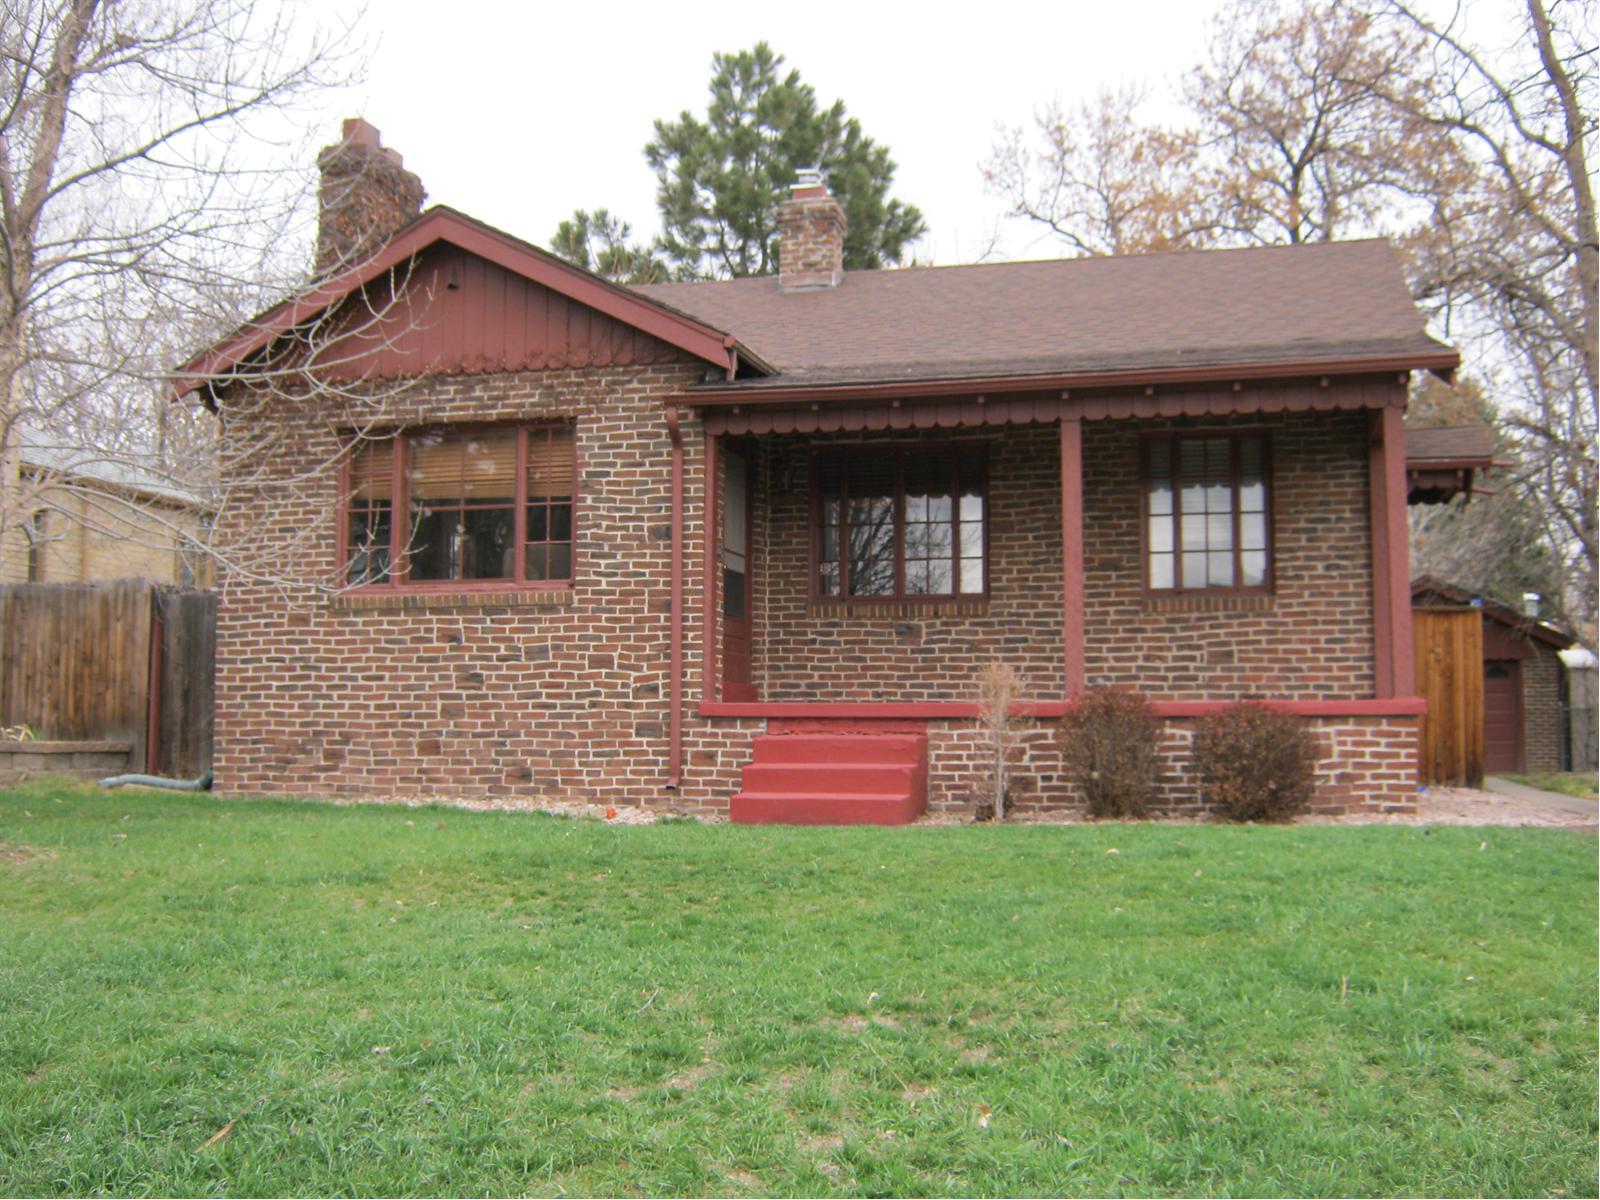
(1210, 602)
(374, 599)
(897, 610)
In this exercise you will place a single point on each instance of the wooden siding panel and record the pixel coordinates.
(1449, 672)
(462, 315)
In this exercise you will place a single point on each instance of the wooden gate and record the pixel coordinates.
(1449, 656)
(112, 662)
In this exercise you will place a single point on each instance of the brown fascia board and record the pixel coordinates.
(440, 223)
(716, 396)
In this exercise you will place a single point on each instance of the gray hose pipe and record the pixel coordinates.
(203, 784)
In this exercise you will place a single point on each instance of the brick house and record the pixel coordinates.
(750, 542)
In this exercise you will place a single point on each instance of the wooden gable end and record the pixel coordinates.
(451, 312)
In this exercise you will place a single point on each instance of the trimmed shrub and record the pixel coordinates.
(1255, 763)
(1111, 740)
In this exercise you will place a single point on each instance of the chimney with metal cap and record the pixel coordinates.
(366, 195)
(810, 235)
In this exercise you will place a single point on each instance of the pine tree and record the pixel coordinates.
(598, 242)
(719, 181)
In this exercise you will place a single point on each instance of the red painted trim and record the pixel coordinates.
(1408, 706)
(514, 255)
(675, 605)
(708, 603)
(1398, 543)
(1290, 369)
(1072, 608)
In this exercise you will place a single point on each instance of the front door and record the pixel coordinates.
(737, 594)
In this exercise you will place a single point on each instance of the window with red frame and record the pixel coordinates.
(1207, 513)
(479, 505)
(900, 523)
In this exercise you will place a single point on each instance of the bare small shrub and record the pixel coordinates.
(1111, 740)
(999, 690)
(1255, 763)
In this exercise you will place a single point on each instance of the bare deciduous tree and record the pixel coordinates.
(139, 211)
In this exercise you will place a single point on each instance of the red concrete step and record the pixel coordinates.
(863, 779)
(806, 808)
(834, 779)
(840, 748)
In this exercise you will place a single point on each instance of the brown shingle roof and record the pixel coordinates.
(1291, 304)
(1450, 444)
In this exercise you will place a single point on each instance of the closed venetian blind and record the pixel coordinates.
(550, 462)
(372, 472)
(476, 467)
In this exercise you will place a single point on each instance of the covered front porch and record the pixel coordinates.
(868, 560)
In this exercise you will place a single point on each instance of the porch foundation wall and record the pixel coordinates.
(1366, 765)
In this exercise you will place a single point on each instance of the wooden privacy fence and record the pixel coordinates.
(1449, 656)
(112, 662)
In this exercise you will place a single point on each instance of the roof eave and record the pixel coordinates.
(1442, 361)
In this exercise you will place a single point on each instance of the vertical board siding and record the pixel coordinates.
(75, 666)
(1449, 667)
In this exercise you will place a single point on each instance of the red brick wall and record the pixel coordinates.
(567, 695)
(1541, 709)
(928, 650)
(564, 695)
(1311, 640)
(1368, 764)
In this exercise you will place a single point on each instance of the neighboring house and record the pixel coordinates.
(90, 517)
(756, 539)
(1518, 698)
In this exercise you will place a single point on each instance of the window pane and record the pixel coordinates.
(939, 577)
(486, 544)
(561, 522)
(1194, 531)
(550, 453)
(829, 579)
(939, 539)
(917, 541)
(870, 534)
(972, 576)
(916, 507)
(1220, 569)
(435, 544)
(917, 579)
(537, 562)
(1253, 497)
(1253, 531)
(1253, 564)
(560, 561)
(1194, 570)
(1160, 499)
(538, 523)
(733, 594)
(369, 545)
(971, 504)
(489, 467)
(372, 472)
(1219, 531)
(972, 539)
(1161, 571)
(1160, 535)
(1160, 461)
(830, 543)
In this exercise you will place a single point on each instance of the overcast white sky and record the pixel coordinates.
(520, 112)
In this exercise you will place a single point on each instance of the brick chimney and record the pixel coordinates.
(365, 196)
(810, 235)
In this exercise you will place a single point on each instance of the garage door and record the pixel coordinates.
(1502, 716)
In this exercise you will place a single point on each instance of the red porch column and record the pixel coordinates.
(708, 580)
(1394, 672)
(1072, 553)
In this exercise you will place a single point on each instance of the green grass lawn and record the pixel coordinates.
(1581, 784)
(433, 1001)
